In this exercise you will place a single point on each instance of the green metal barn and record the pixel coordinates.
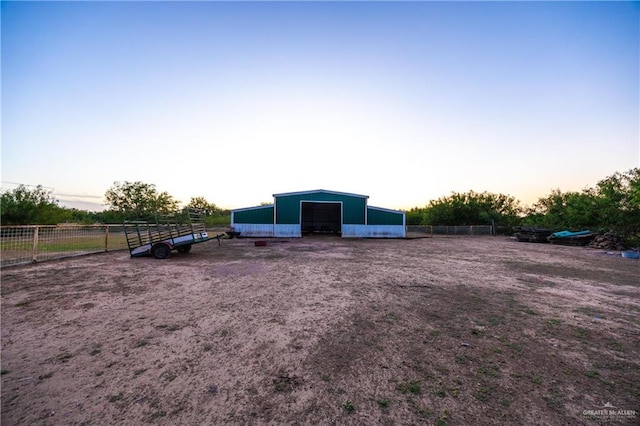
(294, 214)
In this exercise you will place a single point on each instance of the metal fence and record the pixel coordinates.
(431, 230)
(36, 243)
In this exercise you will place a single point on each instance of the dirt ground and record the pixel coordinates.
(443, 331)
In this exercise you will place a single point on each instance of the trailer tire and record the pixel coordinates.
(160, 251)
(184, 249)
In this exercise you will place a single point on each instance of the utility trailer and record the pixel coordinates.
(170, 232)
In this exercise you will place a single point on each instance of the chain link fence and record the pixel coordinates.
(36, 243)
(431, 230)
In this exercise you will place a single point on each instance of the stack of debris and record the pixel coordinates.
(608, 241)
(530, 234)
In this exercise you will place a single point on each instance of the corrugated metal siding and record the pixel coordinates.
(384, 217)
(258, 215)
(373, 231)
(288, 206)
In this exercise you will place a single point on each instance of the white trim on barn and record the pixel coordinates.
(287, 231)
(254, 229)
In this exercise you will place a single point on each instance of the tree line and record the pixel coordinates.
(613, 205)
(126, 201)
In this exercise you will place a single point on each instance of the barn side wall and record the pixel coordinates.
(373, 231)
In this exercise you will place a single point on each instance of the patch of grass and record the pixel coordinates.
(442, 419)
(581, 333)
(536, 378)
(555, 321)
(478, 332)
(207, 347)
(157, 415)
(591, 373)
(383, 404)
(116, 398)
(169, 327)
(483, 393)
(440, 392)
(46, 376)
(555, 399)
(589, 311)
(495, 320)
(390, 318)
(490, 369)
(64, 357)
(616, 345)
(84, 244)
(3, 372)
(516, 347)
(141, 343)
(285, 383)
(425, 413)
(410, 387)
(349, 407)
(463, 359)
(325, 377)
(22, 303)
(169, 376)
(529, 311)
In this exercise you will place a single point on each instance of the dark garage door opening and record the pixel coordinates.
(321, 218)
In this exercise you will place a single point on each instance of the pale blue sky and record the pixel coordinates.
(404, 102)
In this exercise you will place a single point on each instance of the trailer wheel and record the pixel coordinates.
(160, 251)
(184, 249)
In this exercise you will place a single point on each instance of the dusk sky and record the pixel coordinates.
(404, 102)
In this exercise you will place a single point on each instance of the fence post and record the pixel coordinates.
(34, 257)
(106, 238)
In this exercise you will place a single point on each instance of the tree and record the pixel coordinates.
(414, 216)
(214, 215)
(37, 206)
(612, 206)
(619, 203)
(209, 209)
(472, 208)
(138, 200)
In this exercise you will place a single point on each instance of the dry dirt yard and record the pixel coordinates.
(443, 331)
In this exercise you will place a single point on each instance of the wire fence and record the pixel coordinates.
(431, 230)
(36, 243)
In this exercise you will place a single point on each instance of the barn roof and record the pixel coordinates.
(320, 190)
